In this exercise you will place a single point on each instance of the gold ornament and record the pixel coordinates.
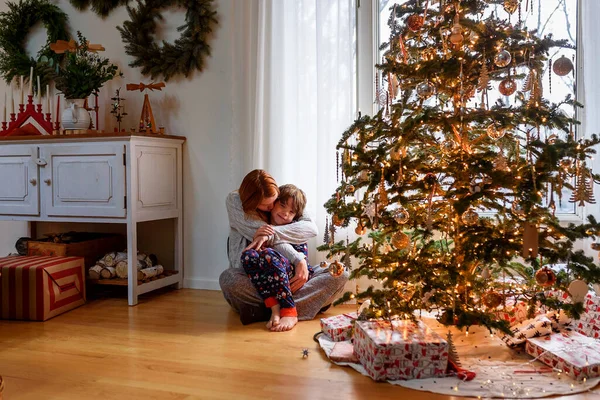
(507, 86)
(360, 229)
(492, 299)
(415, 22)
(578, 289)
(336, 268)
(545, 277)
(456, 37)
(510, 6)
(562, 66)
(383, 199)
(495, 133)
(502, 59)
(400, 240)
(323, 264)
(350, 189)
(469, 217)
(396, 154)
(337, 221)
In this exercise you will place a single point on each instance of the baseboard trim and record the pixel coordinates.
(201, 283)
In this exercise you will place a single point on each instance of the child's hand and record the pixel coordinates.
(257, 243)
(300, 276)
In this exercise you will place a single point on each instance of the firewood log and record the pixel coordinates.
(95, 272)
(148, 273)
(121, 269)
(108, 272)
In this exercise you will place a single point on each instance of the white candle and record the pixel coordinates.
(4, 119)
(39, 91)
(48, 106)
(22, 102)
(30, 93)
(12, 98)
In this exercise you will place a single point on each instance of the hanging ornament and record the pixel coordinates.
(502, 59)
(363, 176)
(494, 132)
(400, 240)
(475, 186)
(517, 208)
(510, 6)
(370, 211)
(492, 299)
(383, 199)
(337, 221)
(500, 162)
(396, 154)
(324, 264)
(336, 268)
(415, 22)
(350, 189)
(425, 90)
(486, 273)
(545, 277)
(456, 36)
(484, 77)
(360, 229)
(507, 86)
(326, 235)
(552, 139)
(584, 189)
(469, 217)
(400, 215)
(562, 66)
(578, 289)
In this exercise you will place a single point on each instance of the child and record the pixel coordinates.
(269, 271)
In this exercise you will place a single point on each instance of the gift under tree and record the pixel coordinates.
(453, 197)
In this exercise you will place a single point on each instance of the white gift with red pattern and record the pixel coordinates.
(339, 327)
(400, 350)
(575, 354)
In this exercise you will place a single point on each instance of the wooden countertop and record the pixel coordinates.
(91, 135)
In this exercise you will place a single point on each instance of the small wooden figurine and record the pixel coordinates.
(147, 123)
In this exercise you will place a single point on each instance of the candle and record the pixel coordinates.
(48, 105)
(4, 120)
(21, 86)
(30, 93)
(57, 107)
(12, 98)
(39, 91)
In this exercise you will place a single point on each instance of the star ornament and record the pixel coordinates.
(304, 353)
(370, 211)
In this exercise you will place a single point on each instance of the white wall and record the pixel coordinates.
(211, 109)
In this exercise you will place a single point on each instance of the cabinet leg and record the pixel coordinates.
(132, 292)
(179, 250)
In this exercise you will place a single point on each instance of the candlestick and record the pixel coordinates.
(30, 81)
(21, 86)
(48, 105)
(39, 91)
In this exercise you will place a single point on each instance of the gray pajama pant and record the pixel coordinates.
(320, 291)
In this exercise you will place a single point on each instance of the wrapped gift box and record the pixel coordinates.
(592, 303)
(514, 314)
(39, 288)
(575, 354)
(400, 350)
(530, 328)
(339, 327)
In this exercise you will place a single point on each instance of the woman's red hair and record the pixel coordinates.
(256, 186)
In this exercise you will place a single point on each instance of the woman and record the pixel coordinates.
(248, 210)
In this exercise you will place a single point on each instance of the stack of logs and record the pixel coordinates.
(114, 264)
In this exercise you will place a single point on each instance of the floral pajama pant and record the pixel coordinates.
(270, 273)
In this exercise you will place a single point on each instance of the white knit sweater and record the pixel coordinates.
(243, 228)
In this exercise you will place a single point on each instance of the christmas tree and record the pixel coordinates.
(453, 199)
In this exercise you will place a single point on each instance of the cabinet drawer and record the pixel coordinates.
(83, 181)
(19, 194)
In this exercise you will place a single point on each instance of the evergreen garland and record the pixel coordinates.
(100, 7)
(14, 28)
(182, 57)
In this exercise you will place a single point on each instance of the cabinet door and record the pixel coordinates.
(86, 180)
(19, 194)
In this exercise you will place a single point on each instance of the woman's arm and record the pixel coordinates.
(297, 232)
(238, 220)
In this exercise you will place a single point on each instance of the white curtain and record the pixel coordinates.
(305, 95)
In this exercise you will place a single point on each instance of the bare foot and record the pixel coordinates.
(274, 321)
(285, 324)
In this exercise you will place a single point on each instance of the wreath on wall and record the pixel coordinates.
(100, 7)
(15, 25)
(185, 55)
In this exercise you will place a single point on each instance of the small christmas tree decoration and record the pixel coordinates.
(507, 86)
(584, 190)
(117, 109)
(545, 277)
(470, 217)
(425, 90)
(578, 289)
(360, 229)
(510, 6)
(415, 22)
(400, 215)
(492, 299)
(502, 59)
(400, 240)
(563, 66)
(336, 268)
(326, 234)
(147, 122)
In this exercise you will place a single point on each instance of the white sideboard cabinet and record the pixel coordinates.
(99, 178)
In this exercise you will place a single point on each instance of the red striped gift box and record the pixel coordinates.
(38, 288)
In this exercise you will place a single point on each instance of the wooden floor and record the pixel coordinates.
(184, 344)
